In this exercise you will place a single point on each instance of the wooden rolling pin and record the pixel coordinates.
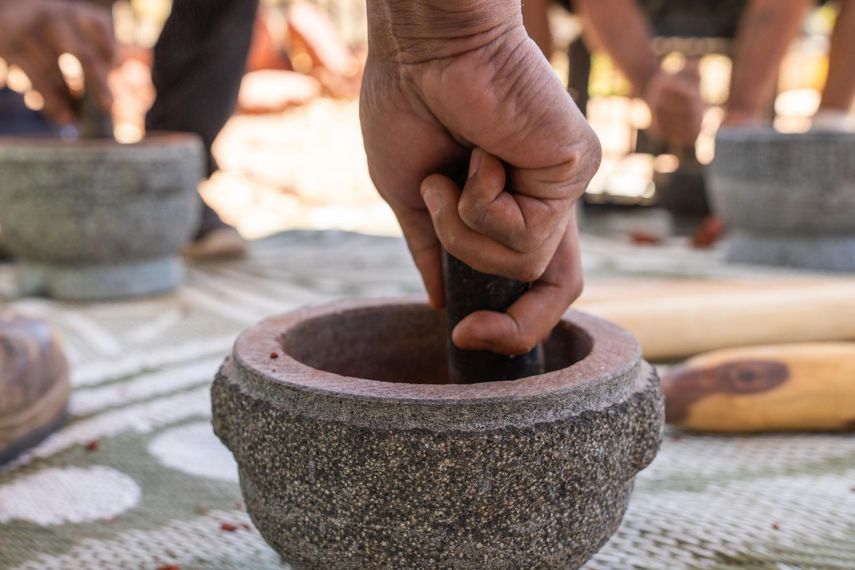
(677, 319)
(789, 387)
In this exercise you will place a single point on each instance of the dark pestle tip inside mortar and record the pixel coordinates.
(404, 343)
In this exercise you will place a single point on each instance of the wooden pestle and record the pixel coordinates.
(95, 123)
(467, 291)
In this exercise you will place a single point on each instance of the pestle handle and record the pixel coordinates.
(467, 291)
(95, 123)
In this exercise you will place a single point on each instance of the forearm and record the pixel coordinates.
(411, 31)
(766, 31)
(626, 39)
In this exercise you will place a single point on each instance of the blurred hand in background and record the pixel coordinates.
(36, 32)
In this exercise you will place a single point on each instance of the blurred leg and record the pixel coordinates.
(623, 31)
(199, 61)
(765, 32)
(839, 89)
(536, 19)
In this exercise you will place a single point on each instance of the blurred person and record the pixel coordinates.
(763, 28)
(199, 61)
(455, 89)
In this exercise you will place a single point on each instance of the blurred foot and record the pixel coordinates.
(33, 383)
(219, 242)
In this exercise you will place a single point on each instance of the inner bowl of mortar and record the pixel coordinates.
(401, 344)
(354, 451)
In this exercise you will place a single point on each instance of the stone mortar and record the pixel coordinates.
(96, 219)
(787, 199)
(353, 453)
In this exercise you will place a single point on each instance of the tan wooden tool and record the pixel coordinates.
(677, 319)
(788, 387)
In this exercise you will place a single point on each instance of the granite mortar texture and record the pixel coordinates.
(787, 198)
(548, 493)
(73, 206)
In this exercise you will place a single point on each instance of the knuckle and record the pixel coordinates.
(451, 241)
(473, 215)
(576, 286)
(529, 241)
(527, 270)
(522, 345)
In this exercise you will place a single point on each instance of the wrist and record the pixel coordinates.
(413, 31)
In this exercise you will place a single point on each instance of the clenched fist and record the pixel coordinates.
(454, 90)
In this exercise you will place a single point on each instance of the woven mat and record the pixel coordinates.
(137, 480)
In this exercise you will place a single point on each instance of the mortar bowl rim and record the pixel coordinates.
(611, 367)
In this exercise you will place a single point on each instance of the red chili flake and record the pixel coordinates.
(228, 527)
(169, 567)
(92, 445)
(776, 526)
(274, 355)
(644, 238)
(711, 230)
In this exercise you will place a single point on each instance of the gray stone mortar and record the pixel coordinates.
(98, 219)
(786, 199)
(348, 472)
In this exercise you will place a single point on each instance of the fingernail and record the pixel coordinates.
(474, 161)
(432, 198)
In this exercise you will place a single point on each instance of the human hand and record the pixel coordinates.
(455, 83)
(37, 32)
(676, 107)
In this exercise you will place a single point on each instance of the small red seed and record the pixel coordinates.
(644, 238)
(228, 527)
(92, 445)
(776, 526)
(169, 567)
(274, 355)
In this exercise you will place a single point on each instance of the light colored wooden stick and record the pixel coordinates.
(679, 319)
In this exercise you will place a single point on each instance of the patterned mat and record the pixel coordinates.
(137, 480)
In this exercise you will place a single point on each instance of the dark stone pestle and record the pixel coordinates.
(95, 123)
(467, 291)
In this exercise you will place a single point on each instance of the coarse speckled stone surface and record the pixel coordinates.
(787, 199)
(97, 219)
(348, 459)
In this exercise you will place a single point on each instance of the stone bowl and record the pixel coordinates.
(96, 219)
(786, 199)
(353, 452)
